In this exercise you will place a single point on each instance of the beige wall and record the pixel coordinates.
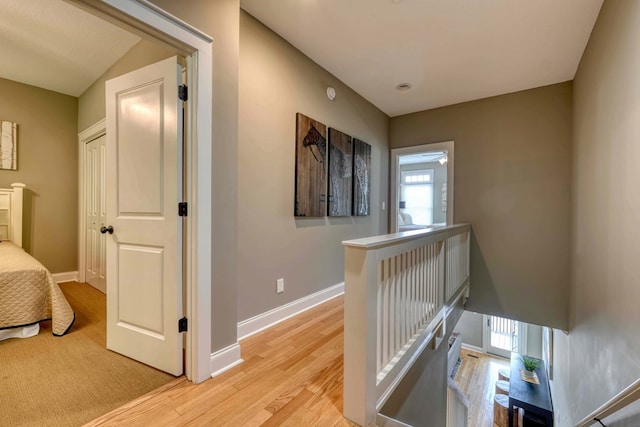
(512, 183)
(220, 19)
(47, 164)
(604, 337)
(276, 82)
(471, 328)
(91, 104)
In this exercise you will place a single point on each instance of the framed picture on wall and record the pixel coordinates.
(340, 175)
(361, 177)
(8, 145)
(311, 166)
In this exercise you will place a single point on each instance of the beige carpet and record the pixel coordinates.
(69, 380)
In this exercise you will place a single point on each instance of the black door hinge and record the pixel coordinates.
(183, 325)
(183, 92)
(182, 209)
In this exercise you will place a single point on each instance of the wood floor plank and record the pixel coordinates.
(147, 399)
(289, 409)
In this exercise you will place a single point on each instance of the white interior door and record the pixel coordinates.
(95, 198)
(144, 186)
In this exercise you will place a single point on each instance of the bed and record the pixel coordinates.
(28, 293)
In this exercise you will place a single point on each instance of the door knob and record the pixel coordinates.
(105, 230)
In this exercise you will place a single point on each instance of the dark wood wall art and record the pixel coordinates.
(361, 177)
(340, 173)
(311, 161)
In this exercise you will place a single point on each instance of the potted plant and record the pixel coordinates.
(530, 364)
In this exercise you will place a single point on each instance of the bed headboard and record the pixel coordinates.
(11, 200)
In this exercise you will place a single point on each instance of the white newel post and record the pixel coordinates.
(361, 273)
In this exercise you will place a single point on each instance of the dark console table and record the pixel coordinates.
(535, 399)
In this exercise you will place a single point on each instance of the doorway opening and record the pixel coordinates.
(421, 187)
(504, 336)
(146, 18)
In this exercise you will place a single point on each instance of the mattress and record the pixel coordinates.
(28, 293)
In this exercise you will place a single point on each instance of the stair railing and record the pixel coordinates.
(457, 406)
(613, 405)
(398, 288)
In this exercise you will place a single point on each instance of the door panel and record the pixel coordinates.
(143, 125)
(144, 280)
(95, 242)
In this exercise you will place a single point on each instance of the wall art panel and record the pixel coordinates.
(311, 161)
(340, 173)
(8, 145)
(361, 177)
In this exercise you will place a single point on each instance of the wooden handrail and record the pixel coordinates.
(613, 405)
(377, 242)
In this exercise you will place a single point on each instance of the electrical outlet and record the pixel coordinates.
(280, 286)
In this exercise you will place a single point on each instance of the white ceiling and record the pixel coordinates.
(426, 157)
(56, 46)
(451, 51)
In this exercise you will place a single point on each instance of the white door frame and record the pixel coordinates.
(486, 335)
(144, 17)
(395, 177)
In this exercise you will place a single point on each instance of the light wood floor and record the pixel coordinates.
(476, 378)
(291, 375)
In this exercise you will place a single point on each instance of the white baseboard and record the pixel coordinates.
(248, 327)
(69, 276)
(225, 359)
(473, 348)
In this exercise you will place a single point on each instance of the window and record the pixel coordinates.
(416, 191)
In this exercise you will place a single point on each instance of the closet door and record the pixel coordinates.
(95, 245)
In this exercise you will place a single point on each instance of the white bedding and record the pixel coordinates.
(23, 332)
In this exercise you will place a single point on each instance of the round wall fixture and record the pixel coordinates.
(403, 86)
(331, 93)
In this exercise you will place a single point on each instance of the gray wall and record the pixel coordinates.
(534, 341)
(47, 164)
(220, 19)
(604, 336)
(471, 328)
(512, 183)
(276, 82)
